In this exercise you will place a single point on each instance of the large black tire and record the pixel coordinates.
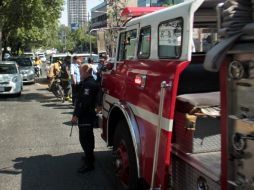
(122, 135)
(18, 94)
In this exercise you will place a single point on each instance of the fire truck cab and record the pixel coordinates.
(167, 117)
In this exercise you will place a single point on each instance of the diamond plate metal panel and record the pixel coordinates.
(205, 138)
(185, 177)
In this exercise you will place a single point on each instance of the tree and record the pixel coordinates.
(81, 37)
(66, 40)
(25, 23)
(115, 8)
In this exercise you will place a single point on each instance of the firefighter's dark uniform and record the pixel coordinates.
(85, 111)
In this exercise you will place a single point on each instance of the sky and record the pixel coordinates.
(90, 4)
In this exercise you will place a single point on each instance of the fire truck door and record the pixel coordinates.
(163, 51)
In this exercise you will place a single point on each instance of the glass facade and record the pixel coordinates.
(157, 3)
(142, 3)
(77, 12)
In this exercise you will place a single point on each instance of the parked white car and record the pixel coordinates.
(26, 68)
(29, 54)
(86, 56)
(10, 78)
(42, 57)
(57, 57)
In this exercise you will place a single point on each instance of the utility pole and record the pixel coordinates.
(88, 17)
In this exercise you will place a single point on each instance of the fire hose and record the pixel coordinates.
(237, 18)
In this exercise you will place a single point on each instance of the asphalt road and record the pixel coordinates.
(36, 152)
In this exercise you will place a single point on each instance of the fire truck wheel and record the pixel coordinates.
(124, 159)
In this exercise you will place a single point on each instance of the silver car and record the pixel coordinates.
(26, 68)
(10, 78)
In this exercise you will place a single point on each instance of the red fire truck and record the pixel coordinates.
(172, 123)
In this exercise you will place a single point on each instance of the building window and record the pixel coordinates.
(144, 43)
(170, 39)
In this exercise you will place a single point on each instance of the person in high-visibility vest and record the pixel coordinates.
(54, 72)
(37, 61)
(37, 65)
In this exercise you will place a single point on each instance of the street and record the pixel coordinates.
(36, 152)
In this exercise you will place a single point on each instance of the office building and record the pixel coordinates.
(77, 13)
(99, 15)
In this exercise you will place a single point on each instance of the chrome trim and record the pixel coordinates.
(219, 8)
(143, 81)
(164, 85)
(144, 114)
(151, 117)
(133, 127)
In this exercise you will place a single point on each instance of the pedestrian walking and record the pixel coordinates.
(85, 115)
(75, 76)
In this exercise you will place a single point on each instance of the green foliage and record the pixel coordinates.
(114, 11)
(28, 23)
(114, 20)
(81, 37)
(74, 41)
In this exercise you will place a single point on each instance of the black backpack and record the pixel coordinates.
(64, 72)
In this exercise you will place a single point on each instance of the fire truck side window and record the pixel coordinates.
(127, 45)
(170, 39)
(121, 50)
(144, 43)
(130, 44)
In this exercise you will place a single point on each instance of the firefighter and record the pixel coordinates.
(85, 115)
(54, 71)
(66, 77)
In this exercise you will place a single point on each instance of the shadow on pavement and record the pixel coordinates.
(46, 172)
(42, 81)
(9, 171)
(58, 105)
(43, 89)
(50, 100)
(68, 123)
(28, 97)
(67, 113)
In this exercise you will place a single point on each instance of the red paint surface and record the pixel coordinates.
(121, 84)
(224, 125)
(138, 11)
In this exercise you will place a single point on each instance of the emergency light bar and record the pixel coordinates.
(131, 12)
